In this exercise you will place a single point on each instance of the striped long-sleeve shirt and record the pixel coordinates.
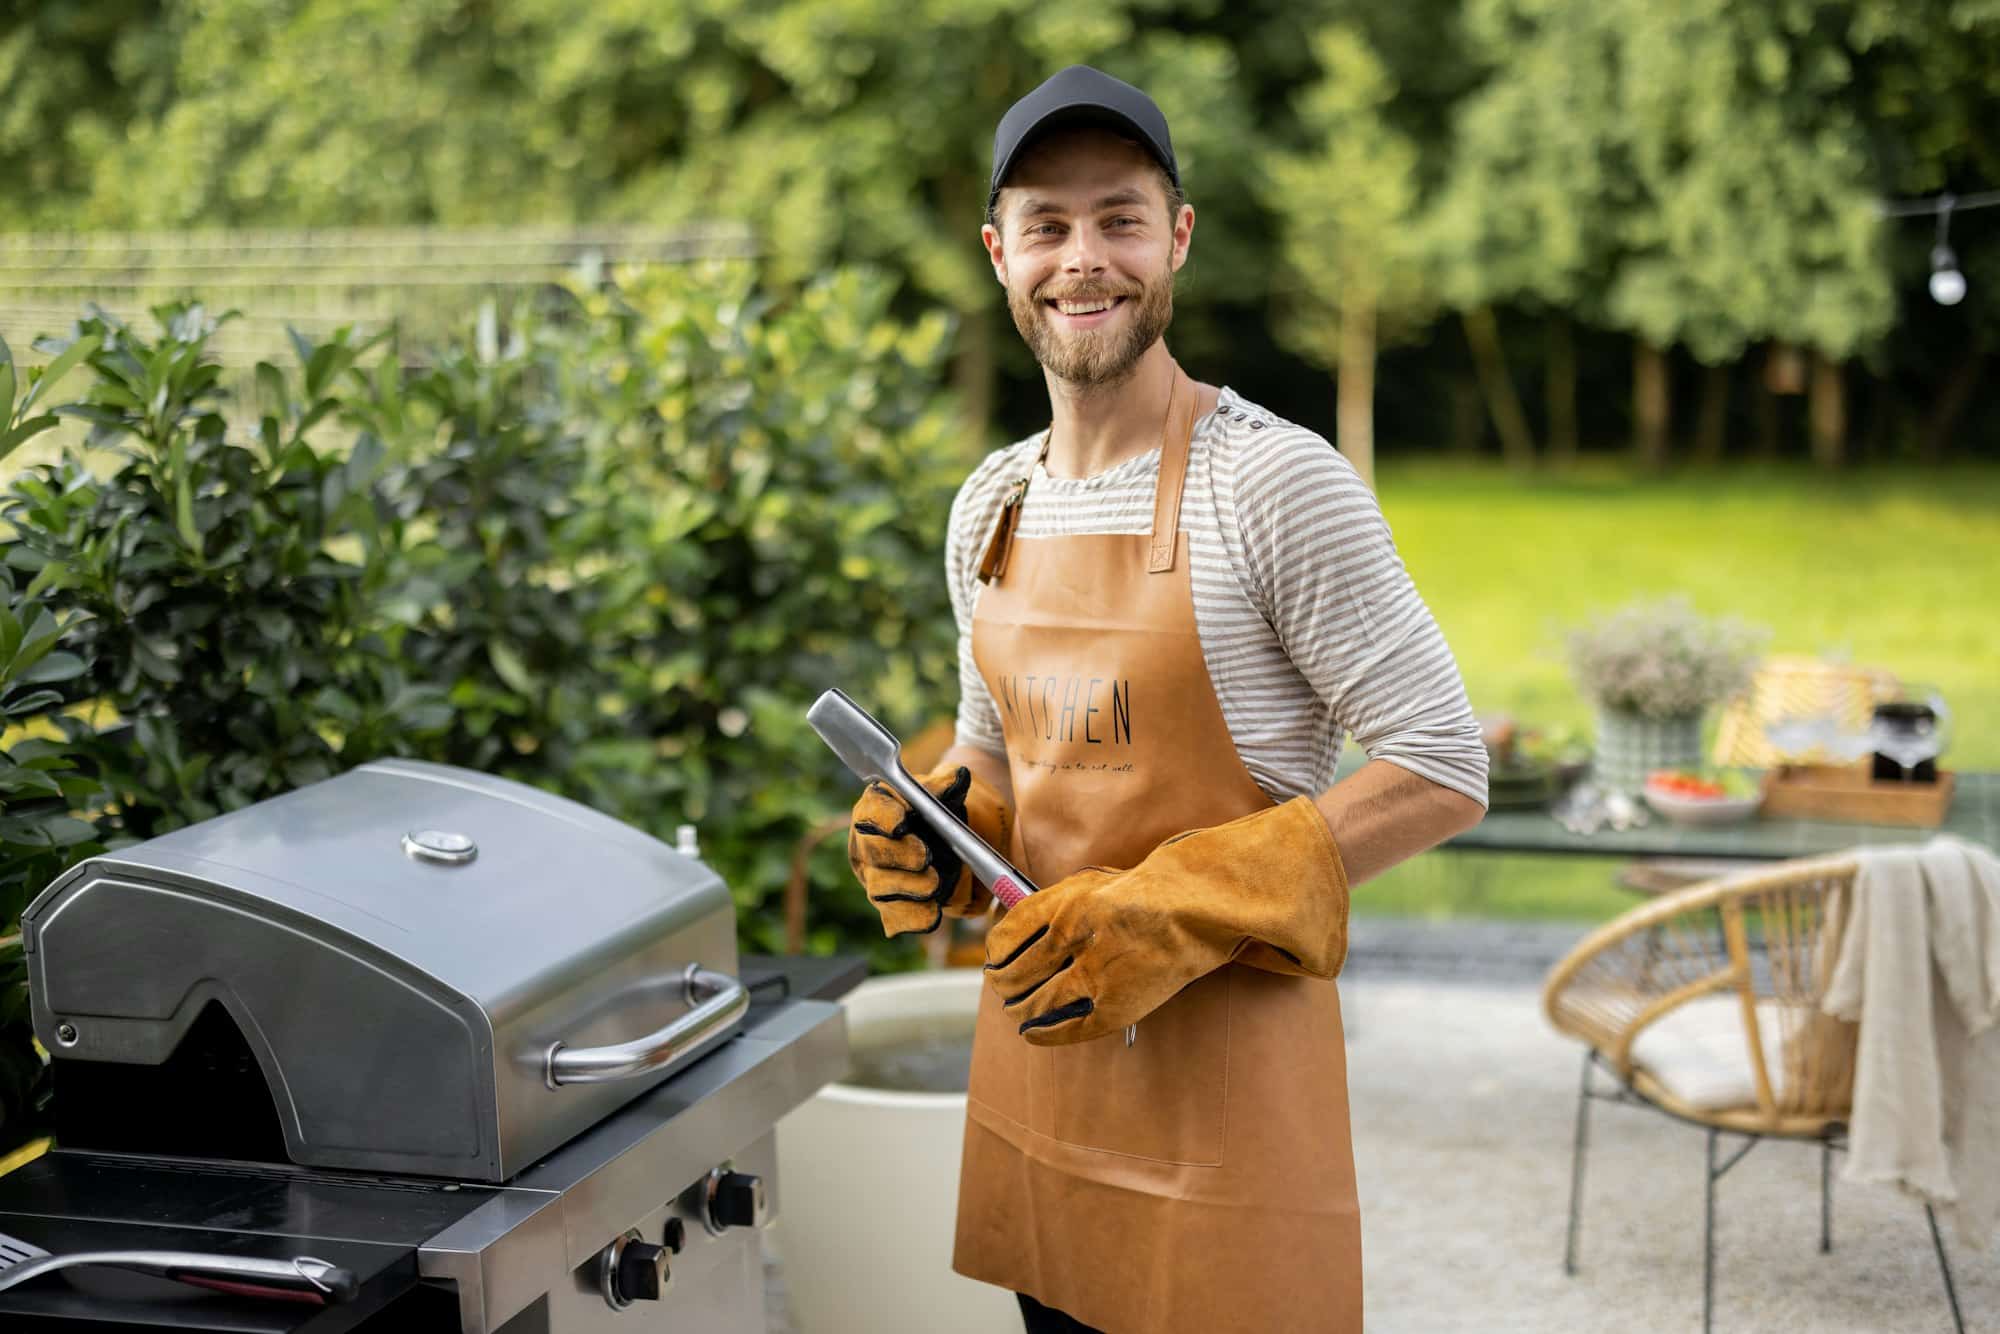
(1309, 622)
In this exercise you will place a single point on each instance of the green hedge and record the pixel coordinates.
(612, 544)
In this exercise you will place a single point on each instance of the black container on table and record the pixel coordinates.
(1905, 716)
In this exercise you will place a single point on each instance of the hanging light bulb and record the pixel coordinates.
(1947, 283)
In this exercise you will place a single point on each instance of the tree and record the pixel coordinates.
(1761, 219)
(1687, 173)
(1529, 211)
(1694, 176)
(1347, 208)
(75, 73)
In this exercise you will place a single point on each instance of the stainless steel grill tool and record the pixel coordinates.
(302, 1277)
(871, 751)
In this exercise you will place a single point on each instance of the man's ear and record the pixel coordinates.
(995, 251)
(1183, 235)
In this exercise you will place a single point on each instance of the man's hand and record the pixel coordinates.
(911, 874)
(1102, 949)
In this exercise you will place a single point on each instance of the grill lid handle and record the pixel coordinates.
(719, 1000)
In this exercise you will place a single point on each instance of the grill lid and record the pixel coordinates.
(400, 948)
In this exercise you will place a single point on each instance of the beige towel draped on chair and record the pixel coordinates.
(1919, 967)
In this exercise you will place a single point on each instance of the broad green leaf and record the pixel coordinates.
(64, 831)
(14, 437)
(320, 368)
(509, 667)
(34, 702)
(64, 362)
(184, 501)
(28, 783)
(315, 414)
(79, 792)
(271, 397)
(56, 667)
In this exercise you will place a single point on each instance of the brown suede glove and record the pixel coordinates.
(912, 876)
(1102, 949)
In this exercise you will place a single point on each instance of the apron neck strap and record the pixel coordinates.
(1174, 441)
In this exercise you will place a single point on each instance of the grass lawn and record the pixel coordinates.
(1892, 567)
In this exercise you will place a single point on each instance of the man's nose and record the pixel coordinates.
(1085, 255)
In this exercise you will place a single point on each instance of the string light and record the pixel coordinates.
(1947, 282)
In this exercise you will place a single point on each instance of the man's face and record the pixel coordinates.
(1087, 252)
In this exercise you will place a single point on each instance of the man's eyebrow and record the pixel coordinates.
(1130, 195)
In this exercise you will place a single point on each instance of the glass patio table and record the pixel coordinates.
(1974, 815)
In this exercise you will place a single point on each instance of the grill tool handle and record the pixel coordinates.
(300, 1277)
(719, 1000)
(871, 751)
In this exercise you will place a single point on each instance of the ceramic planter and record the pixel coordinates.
(1631, 745)
(871, 1186)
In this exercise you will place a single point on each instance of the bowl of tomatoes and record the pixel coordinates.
(1705, 796)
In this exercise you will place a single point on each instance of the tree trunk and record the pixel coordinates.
(1872, 441)
(1712, 428)
(1826, 407)
(1942, 421)
(1517, 442)
(1651, 404)
(1468, 416)
(1354, 395)
(1765, 397)
(1559, 390)
(973, 370)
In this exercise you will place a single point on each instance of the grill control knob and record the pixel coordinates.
(735, 1199)
(642, 1271)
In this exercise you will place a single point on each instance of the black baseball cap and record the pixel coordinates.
(1080, 95)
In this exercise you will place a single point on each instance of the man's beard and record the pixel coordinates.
(1092, 356)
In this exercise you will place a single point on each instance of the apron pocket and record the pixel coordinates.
(1009, 1076)
(1162, 1098)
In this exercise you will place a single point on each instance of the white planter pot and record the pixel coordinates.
(1630, 746)
(869, 1181)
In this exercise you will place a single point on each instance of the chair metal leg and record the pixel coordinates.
(1825, 1196)
(1944, 1267)
(1708, 1239)
(1576, 1167)
(1716, 1173)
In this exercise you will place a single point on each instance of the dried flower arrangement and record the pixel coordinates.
(1661, 659)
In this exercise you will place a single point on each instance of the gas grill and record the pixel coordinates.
(412, 1048)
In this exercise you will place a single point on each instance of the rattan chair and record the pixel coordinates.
(1704, 1004)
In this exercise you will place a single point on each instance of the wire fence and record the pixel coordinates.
(428, 279)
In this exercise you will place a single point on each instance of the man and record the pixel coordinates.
(1171, 606)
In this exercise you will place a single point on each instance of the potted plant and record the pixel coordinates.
(1652, 669)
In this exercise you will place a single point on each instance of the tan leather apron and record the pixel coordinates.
(1200, 1181)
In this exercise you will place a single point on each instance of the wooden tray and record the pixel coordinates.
(1850, 792)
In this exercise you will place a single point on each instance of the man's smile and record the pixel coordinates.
(1084, 313)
